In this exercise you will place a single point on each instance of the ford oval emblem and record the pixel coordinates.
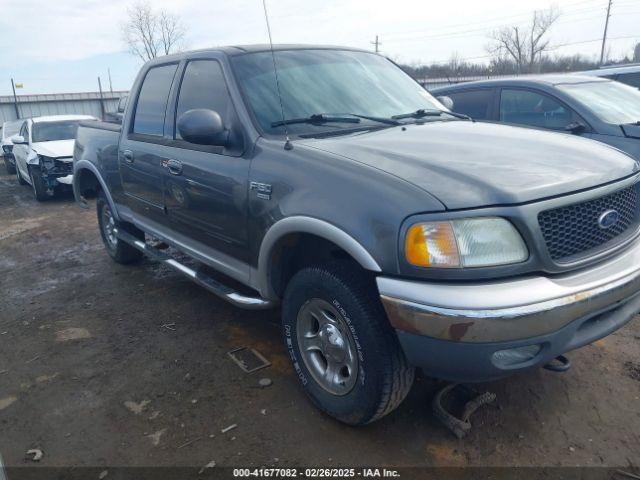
(608, 219)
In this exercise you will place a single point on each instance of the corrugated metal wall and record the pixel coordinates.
(87, 103)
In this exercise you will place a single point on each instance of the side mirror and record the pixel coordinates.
(575, 127)
(446, 101)
(18, 140)
(203, 127)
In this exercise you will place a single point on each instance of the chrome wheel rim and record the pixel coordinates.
(327, 346)
(109, 227)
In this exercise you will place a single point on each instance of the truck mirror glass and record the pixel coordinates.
(203, 127)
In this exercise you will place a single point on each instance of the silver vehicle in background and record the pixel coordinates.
(6, 145)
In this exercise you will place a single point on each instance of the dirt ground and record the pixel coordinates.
(102, 364)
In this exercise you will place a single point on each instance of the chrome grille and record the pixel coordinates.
(573, 230)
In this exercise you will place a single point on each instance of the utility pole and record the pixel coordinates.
(604, 37)
(101, 99)
(110, 84)
(377, 44)
(15, 100)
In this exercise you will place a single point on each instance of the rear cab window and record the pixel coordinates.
(474, 103)
(152, 100)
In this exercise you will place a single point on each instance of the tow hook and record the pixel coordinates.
(559, 364)
(471, 401)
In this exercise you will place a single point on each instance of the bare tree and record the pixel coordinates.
(525, 46)
(636, 53)
(149, 33)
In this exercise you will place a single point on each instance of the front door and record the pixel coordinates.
(206, 186)
(142, 154)
(21, 151)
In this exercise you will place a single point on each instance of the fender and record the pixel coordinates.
(314, 226)
(32, 157)
(87, 165)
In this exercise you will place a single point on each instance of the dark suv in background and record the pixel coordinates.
(596, 108)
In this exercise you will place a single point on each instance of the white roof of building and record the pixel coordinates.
(59, 118)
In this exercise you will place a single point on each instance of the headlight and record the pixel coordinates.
(470, 242)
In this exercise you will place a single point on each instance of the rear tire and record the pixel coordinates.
(40, 191)
(121, 252)
(326, 307)
(11, 169)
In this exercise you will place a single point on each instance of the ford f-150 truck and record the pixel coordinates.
(392, 232)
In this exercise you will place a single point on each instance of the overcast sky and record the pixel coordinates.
(64, 45)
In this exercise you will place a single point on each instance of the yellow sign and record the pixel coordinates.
(19, 85)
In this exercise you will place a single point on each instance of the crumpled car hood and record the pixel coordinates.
(55, 149)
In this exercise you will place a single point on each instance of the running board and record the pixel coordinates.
(202, 279)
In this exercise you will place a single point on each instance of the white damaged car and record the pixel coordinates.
(43, 152)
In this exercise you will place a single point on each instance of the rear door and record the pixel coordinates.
(142, 150)
(206, 188)
(476, 103)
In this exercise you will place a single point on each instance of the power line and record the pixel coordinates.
(461, 34)
(491, 20)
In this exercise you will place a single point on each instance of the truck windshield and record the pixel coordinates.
(327, 82)
(612, 102)
(50, 131)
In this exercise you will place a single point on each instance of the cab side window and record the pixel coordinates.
(204, 86)
(632, 79)
(475, 103)
(24, 131)
(152, 100)
(524, 107)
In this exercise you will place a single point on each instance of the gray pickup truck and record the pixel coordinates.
(393, 233)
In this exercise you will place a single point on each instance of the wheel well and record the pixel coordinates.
(298, 250)
(88, 184)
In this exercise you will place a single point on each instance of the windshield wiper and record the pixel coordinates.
(386, 121)
(320, 118)
(421, 113)
(316, 119)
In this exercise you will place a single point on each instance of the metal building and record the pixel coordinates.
(87, 103)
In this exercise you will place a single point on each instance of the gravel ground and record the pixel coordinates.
(102, 364)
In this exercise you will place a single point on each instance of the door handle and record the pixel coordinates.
(174, 166)
(128, 156)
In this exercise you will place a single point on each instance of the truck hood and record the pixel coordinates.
(468, 165)
(55, 149)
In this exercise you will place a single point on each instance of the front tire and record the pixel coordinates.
(344, 351)
(21, 181)
(121, 252)
(40, 191)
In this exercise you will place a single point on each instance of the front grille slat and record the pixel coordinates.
(573, 230)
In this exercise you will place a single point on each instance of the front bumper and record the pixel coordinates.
(453, 330)
(65, 180)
